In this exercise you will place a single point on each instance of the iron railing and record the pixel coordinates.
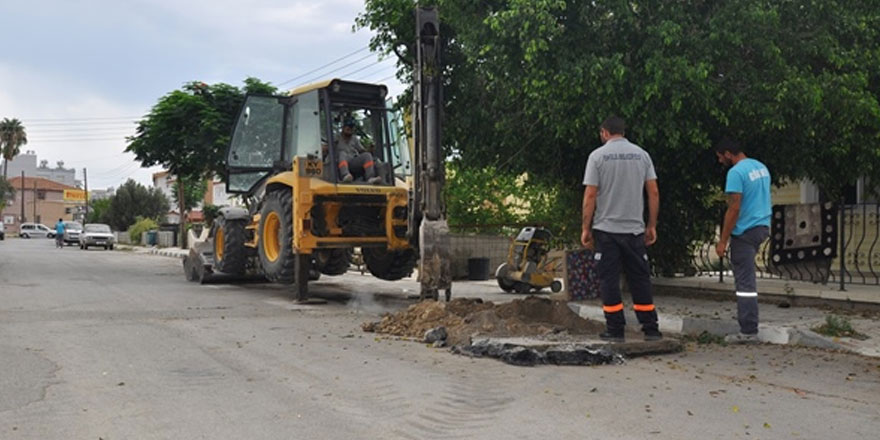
(857, 260)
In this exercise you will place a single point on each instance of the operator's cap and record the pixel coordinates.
(348, 121)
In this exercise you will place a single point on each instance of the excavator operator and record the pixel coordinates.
(353, 157)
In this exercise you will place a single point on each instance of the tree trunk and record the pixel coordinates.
(181, 206)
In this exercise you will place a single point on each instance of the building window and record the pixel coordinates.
(68, 210)
(41, 194)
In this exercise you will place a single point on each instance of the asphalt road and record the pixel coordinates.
(117, 345)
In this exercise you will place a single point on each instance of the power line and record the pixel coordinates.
(386, 78)
(77, 136)
(324, 66)
(373, 73)
(78, 119)
(79, 130)
(117, 170)
(83, 123)
(130, 168)
(329, 72)
(39, 141)
(348, 74)
(93, 159)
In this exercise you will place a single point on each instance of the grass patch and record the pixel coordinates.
(838, 327)
(705, 338)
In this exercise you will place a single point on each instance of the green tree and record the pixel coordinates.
(211, 212)
(797, 81)
(7, 192)
(193, 192)
(187, 132)
(12, 136)
(484, 201)
(133, 200)
(99, 210)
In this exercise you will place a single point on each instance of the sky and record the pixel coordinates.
(79, 74)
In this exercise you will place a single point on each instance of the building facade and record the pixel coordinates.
(27, 162)
(43, 202)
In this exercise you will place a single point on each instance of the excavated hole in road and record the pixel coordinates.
(468, 322)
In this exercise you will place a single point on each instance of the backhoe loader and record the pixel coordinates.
(309, 201)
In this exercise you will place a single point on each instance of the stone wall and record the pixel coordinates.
(477, 246)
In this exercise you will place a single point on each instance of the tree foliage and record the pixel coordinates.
(12, 136)
(529, 81)
(141, 225)
(133, 200)
(193, 192)
(98, 211)
(481, 200)
(7, 192)
(188, 130)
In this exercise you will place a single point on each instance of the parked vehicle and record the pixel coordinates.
(35, 230)
(72, 231)
(2, 232)
(96, 234)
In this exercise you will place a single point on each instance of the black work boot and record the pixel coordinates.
(612, 336)
(653, 334)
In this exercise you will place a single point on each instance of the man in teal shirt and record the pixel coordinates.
(746, 226)
(59, 233)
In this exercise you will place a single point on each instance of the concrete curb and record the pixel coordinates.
(767, 333)
(169, 252)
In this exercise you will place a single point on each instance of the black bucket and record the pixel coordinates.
(478, 269)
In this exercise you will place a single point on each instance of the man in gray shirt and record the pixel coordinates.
(616, 177)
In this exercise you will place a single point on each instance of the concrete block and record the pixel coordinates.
(165, 239)
(122, 237)
(810, 338)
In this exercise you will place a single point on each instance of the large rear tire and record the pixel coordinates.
(333, 261)
(229, 250)
(389, 265)
(276, 237)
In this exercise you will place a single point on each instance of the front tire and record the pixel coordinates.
(229, 249)
(276, 237)
(501, 275)
(389, 265)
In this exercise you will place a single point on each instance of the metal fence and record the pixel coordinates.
(857, 260)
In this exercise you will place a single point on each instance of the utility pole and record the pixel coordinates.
(23, 218)
(35, 200)
(86, 181)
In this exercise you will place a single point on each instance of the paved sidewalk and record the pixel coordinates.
(793, 291)
(790, 325)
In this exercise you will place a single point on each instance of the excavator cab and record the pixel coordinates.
(311, 123)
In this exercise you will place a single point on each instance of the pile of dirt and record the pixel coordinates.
(464, 318)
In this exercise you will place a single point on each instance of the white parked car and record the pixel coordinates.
(96, 234)
(72, 230)
(35, 230)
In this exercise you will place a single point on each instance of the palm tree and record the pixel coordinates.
(12, 137)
